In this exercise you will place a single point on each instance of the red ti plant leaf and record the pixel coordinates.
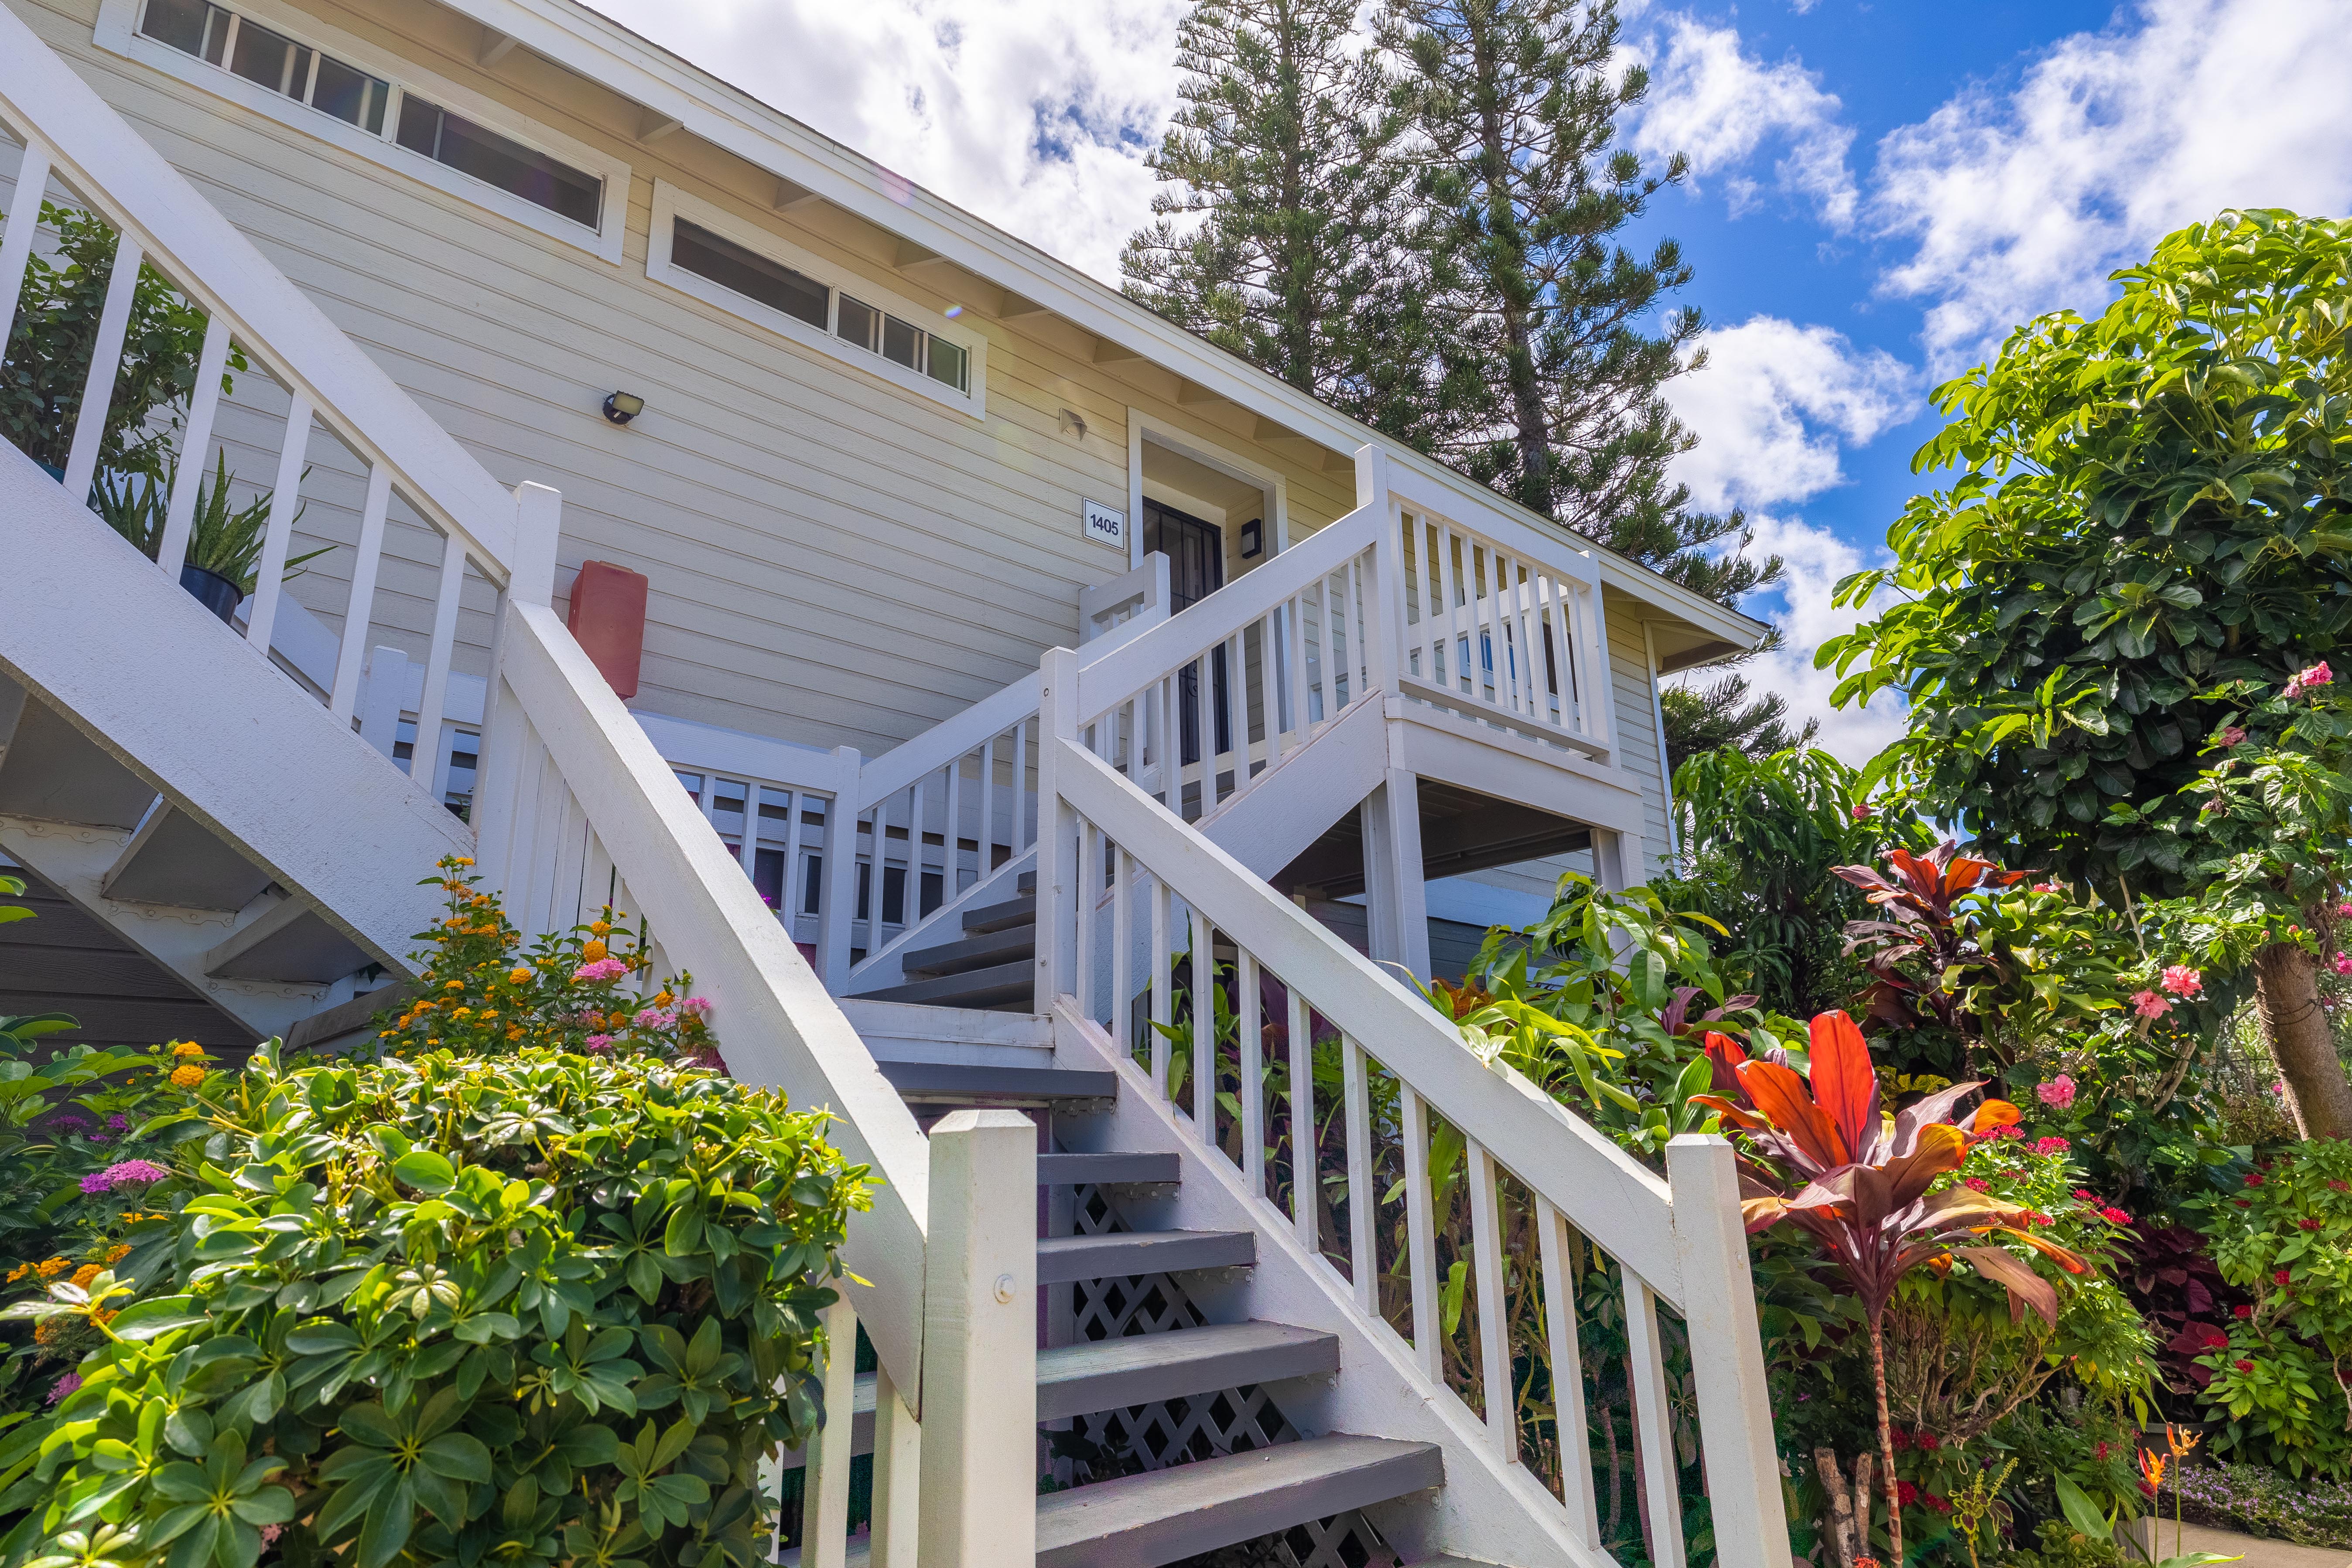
(1844, 1086)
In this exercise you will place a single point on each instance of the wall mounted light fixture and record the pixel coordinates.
(620, 407)
(1252, 538)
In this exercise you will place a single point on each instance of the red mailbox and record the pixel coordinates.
(608, 617)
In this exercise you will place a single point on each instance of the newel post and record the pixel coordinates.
(1384, 595)
(838, 904)
(977, 1503)
(1735, 1408)
(1057, 857)
(530, 579)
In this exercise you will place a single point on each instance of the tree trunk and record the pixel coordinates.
(2286, 991)
(1885, 1435)
(1837, 1528)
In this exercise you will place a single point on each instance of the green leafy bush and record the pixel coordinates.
(514, 1310)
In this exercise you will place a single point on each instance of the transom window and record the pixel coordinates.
(295, 71)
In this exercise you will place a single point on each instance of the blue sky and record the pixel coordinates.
(1880, 189)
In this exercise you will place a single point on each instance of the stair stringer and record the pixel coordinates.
(190, 708)
(1486, 1510)
(1289, 807)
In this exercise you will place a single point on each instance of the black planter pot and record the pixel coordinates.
(213, 591)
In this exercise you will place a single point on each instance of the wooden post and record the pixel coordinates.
(838, 905)
(1396, 898)
(1734, 1409)
(897, 1459)
(825, 1489)
(978, 1504)
(1057, 869)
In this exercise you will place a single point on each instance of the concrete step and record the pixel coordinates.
(1139, 1369)
(1107, 1170)
(948, 1083)
(1140, 1522)
(1012, 944)
(1062, 1259)
(999, 985)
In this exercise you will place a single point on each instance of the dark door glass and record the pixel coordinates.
(1196, 569)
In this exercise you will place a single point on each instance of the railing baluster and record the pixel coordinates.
(1305, 1157)
(910, 895)
(1294, 613)
(1528, 665)
(898, 1461)
(284, 501)
(359, 610)
(788, 896)
(824, 1488)
(1161, 978)
(1250, 1067)
(1569, 1419)
(1420, 1233)
(1122, 955)
(1653, 1422)
(196, 442)
(1021, 839)
(1364, 1259)
(24, 223)
(1269, 703)
(105, 365)
(1090, 849)
(1493, 1334)
(1204, 1027)
(951, 878)
(434, 701)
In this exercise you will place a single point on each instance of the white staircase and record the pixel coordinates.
(1229, 1311)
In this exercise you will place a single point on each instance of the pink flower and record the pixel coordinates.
(2045, 886)
(2057, 1094)
(2115, 1216)
(2233, 736)
(2302, 680)
(64, 1387)
(2009, 1132)
(603, 969)
(694, 1006)
(1977, 1184)
(2182, 981)
(2344, 963)
(2148, 1005)
(2050, 1145)
(1864, 812)
(655, 1019)
(125, 1173)
(597, 1042)
(2343, 912)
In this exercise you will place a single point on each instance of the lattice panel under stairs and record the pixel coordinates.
(1179, 1431)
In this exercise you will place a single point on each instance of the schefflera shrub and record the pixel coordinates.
(503, 1311)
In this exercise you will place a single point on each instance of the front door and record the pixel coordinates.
(1196, 569)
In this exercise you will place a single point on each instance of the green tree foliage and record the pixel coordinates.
(1728, 713)
(1760, 838)
(2151, 521)
(55, 330)
(1279, 234)
(1525, 198)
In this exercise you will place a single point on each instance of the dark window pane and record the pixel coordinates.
(353, 96)
(901, 341)
(894, 895)
(858, 321)
(934, 889)
(729, 265)
(420, 126)
(812, 886)
(768, 877)
(865, 889)
(269, 58)
(179, 23)
(948, 363)
(501, 160)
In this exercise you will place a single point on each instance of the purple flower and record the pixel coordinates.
(95, 1183)
(119, 1123)
(67, 1122)
(598, 1043)
(64, 1387)
(126, 1174)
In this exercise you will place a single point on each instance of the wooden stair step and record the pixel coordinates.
(1107, 1170)
(1140, 1369)
(959, 1084)
(990, 987)
(1140, 1522)
(1009, 945)
(1063, 1259)
(1020, 912)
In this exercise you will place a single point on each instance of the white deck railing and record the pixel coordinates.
(572, 807)
(1136, 966)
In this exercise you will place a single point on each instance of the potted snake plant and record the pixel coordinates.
(224, 542)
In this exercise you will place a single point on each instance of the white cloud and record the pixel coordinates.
(1772, 406)
(1035, 117)
(2022, 200)
(1713, 100)
(1816, 559)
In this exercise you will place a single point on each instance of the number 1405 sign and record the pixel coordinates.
(1103, 525)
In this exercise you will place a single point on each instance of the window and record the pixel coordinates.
(735, 264)
(269, 59)
(501, 161)
(753, 276)
(303, 72)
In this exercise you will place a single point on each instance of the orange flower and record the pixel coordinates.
(2181, 1443)
(591, 952)
(455, 985)
(51, 1267)
(88, 1272)
(186, 1048)
(518, 975)
(600, 928)
(2151, 1469)
(118, 1253)
(188, 1076)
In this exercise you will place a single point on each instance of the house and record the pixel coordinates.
(1011, 646)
